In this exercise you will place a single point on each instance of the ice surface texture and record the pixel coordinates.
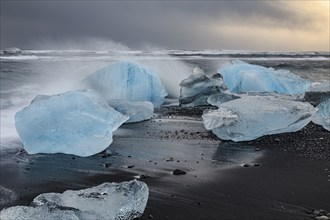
(113, 201)
(77, 122)
(250, 117)
(320, 87)
(136, 111)
(196, 89)
(128, 81)
(243, 77)
(322, 116)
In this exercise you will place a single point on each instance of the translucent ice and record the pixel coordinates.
(243, 77)
(77, 122)
(114, 201)
(128, 81)
(250, 117)
(196, 89)
(322, 116)
(320, 87)
(136, 111)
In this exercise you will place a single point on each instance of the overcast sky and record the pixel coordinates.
(247, 25)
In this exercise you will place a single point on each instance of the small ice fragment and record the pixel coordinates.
(114, 201)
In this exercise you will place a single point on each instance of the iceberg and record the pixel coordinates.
(250, 117)
(196, 89)
(136, 111)
(76, 122)
(322, 116)
(243, 77)
(114, 201)
(127, 81)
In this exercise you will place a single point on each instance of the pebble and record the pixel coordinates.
(246, 165)
(178, 172)
(106, 165)
(322, 217)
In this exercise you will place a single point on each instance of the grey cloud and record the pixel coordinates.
(166, 23)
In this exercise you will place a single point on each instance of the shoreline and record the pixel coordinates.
(287, 176)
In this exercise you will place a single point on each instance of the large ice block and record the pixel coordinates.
(127, 81)
(196, 89)
(250, 117)
(322, 116)
(76, 122)
(136, 111)
(241, 77)
(113, 201)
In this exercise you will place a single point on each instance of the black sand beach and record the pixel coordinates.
(282, 176)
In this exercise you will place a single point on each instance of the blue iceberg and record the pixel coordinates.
(250, 117)
(136, 111)
(76, 122)
(242, 77)
(113, 201)
(127, 81)
(322, 116)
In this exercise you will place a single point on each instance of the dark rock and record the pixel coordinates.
(178, 172)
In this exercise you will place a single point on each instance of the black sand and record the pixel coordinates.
(275, 177)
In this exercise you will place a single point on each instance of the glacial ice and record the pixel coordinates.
(114, 201)
(196, 89)
(219, 98)
(241, 77)
(250, 117)
(320, 87)
(76, 122)
(322, 116)
(136, 111)
(127, 81)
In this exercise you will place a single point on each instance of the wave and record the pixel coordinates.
(163, 54)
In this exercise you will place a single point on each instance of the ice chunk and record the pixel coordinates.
(77, 122)
(250, 117)
(219, 98)
(320, 87)
(198, 71)
(114, 201)
(198, 87)
(136, 111)
(128, 81)
(322, 116)
(243, 77)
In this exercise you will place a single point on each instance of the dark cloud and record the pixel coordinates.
(174, 24)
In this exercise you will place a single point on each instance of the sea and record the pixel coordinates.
(32, 72)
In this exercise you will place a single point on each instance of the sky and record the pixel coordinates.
(291, 25)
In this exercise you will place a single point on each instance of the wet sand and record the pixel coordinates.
(282, 176)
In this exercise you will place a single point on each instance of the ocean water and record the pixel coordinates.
(33, 72)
